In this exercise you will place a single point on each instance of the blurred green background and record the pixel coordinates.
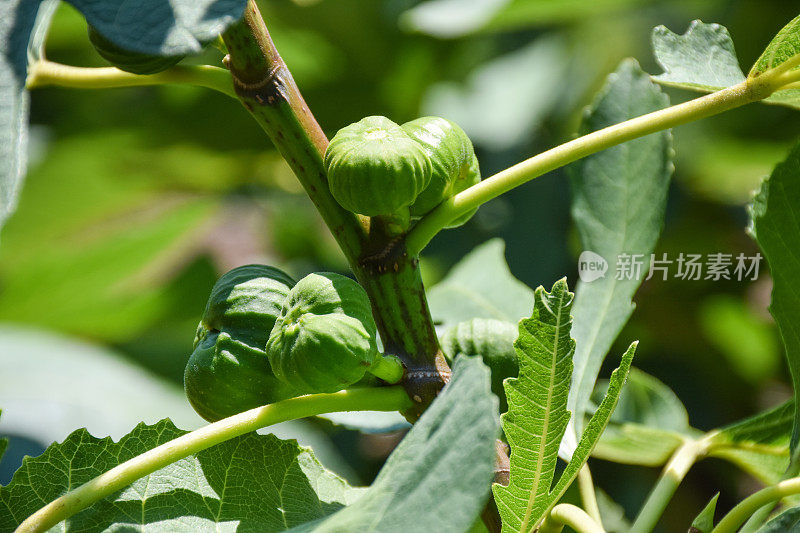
(137, 199)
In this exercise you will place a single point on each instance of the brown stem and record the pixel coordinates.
(388, 274)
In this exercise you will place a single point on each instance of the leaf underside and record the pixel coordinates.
(537, 416)
(619, 200)
(161, 27)
(704, 59)
(18, 20)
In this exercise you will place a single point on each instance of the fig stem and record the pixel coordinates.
(387, 367)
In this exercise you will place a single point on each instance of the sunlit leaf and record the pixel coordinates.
(784, 47)
(703, 59)
(759, 445)
(537, 407)
(253, 482)
(537, 417)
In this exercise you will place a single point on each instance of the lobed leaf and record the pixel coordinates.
(250, 483)
(537, 407)
(776, 226)
(537, 416)
(703, 59)
(438, 477)
(619, 199)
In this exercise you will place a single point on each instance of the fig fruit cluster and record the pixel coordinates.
(376, 167)
(265, 338)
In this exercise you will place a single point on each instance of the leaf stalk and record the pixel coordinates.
(750, 90)
(565, 514)
(44, 73)
(671, 477)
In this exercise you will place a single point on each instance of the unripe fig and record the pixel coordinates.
(228, 371)
(375, 168)
(493, 340)
(224, 377)
(134, 62)
(325, 338)
(453, 161)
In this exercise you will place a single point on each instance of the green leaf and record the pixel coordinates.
(438, 477)
(784, 47)
(18, 24)
(619, 199)
(161, 27)
(537, 407)
(253, 482)
(776, 227)
(759, 445)
(704, 522)
(480, 286)
(703, 58)
(788, 520)
(537, 416)
(648, 425)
